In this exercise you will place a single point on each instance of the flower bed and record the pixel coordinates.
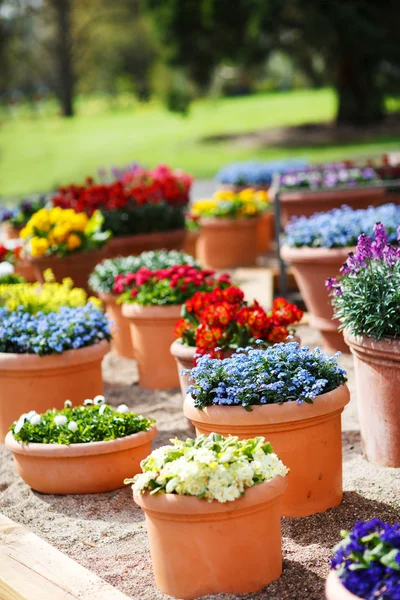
(366, 563)
(366, 302)
(254, 173)
(102, 446)
(204, 489)
(293, 397)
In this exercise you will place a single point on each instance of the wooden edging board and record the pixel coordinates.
(32, 569)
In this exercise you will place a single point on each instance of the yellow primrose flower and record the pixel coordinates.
(73, 241)
(247, 195)
(60, 233)
(39, 246)
(80, 221)
(224, 195)
(262, 196)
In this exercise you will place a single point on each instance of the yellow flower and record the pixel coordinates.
(40, 221)
(73, 241)
(59, 234)
(26, 231)
(80, 221)
(247, 195)
(224, 195)
(262, 196)
(55, 215)
(202, 207)
(249, 209)
(39, 246)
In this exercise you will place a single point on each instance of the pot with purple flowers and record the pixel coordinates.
(366, 301)
(317, 246)
(366, 563)
(290, 395)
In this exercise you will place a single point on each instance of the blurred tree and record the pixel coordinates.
(355, 39)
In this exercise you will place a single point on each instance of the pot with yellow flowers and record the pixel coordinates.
(68, 242)
(228, 228)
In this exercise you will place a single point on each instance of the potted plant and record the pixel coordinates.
(293, 397)
(45, 356)
(324, 187)
(152, 301)
(254, 173)
(144, 209)
(202, 493)
(66, 241)
(366, 302)
(366, 563)
(102, 279)
(80, 450)
(228, 228)
(219, 322)
(12, 220)
(317, 246)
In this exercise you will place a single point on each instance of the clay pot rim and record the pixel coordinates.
(121, 239)
(180, 350)
(55, 451)
(269, 414)
(299, 195)
(68, 358)
(108, 297)
(187, 506)
(306, 254)
(386, 346)
(38, 260)
(336, 589)
(226, 222)
(136, 311)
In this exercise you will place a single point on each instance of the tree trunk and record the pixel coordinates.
(360, 98)
(66, 79)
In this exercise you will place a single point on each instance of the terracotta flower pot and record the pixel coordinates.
(307, 438)
(127, 245)
(121, 333)
(335, 590)
(189, 245)
(32, 382)
(199, 547)
(78, 266)
(26, 269)
(311, 267)
(265, 231)
(306, 203)
(80, 468)
(9, 232)
(152, 331)
(230, 187)
(377, 371)
(227, 243)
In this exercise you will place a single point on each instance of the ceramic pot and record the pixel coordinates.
(311, 268)
(305, 203)
(195, 544)
(335, 590)
(80, 468)
(152, 331)
(227, 243)
(265, 231)
(78, 266)
(127, 245)
(32, 382)
(26, 269)
(189, 245)
(10, 232)
(377, 371)
(121, 333)
(307, 438)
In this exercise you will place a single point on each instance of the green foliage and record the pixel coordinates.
(83, 424)
(147, 218)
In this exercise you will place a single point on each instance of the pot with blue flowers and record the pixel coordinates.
(52, 342)
(316, 248)
(366, 302)
(80, 450)
(293, 397)
(206, 502)
(366, 563)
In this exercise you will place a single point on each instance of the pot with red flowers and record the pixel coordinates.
(366, 563)
(366, 301)
(219, 322)
(152, 301)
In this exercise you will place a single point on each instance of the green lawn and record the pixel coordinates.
(37, 154)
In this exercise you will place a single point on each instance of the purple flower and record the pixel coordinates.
(364, 248)
(330, 283)
(380, 241)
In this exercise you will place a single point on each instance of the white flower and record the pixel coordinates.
(67, 404)
(72, 426)
(60, 420)
(102, 409)
(99, 400)
(6, 268)
(122, 408)
(87, 402)
(35, 419)
(20, 423)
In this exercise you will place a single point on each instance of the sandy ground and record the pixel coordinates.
(106, 533)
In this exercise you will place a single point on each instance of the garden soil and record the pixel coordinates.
(106, 532)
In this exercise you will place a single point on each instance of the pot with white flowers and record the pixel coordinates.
(366, 563)
(80, 450)
(102, 280)
(207, 502)
(366, 302)
(290, 395)
(316, 248)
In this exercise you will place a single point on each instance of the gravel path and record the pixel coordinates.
(106, 532)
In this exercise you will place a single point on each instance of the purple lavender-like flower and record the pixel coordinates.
(380, 241)
(330, 283)
(364, 248)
